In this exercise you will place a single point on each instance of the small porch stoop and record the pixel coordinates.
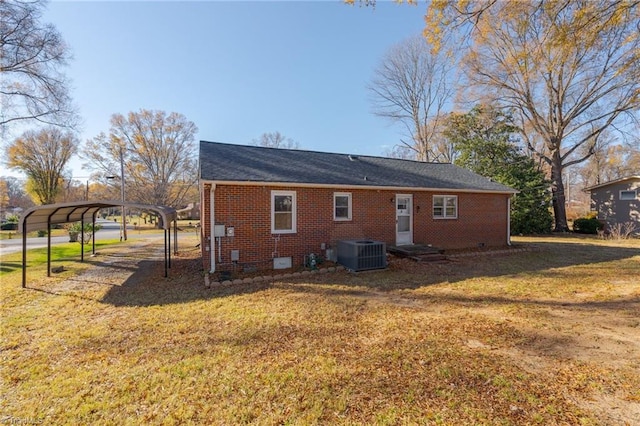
(418, 252)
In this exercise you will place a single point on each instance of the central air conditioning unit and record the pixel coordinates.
(362, 255)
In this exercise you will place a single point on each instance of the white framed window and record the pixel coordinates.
(628, 195)
(283, 212)
(341, 206)
(445, 206)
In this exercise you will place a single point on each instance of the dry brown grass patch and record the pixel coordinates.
(548, 336)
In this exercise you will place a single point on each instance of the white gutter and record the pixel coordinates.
(212, 221)
(403, 189)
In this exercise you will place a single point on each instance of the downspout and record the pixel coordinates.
(212, 224)
(509, 220)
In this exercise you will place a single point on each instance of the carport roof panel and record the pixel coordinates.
(37, 218)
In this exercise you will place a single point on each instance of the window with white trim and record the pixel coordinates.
(283, 212)
(341, 206)
(445, 206)
(628, 195)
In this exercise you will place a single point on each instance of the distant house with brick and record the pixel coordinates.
(259, 205)
(617, 202)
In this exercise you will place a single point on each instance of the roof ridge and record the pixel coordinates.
(350, 154)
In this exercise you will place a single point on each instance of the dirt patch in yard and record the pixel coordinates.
(586, 337)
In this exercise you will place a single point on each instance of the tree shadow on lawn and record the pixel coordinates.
(7, 267)
(630, 304)
(147, 285)
(541, 260)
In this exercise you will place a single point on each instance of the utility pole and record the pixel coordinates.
(124, 216)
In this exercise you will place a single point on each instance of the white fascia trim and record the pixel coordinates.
(613, 182)
(354, 187)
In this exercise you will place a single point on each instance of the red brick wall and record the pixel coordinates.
(482, 219)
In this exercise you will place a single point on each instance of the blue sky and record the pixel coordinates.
(236, 69)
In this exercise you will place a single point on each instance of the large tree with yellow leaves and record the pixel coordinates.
(42, 155)
(569, 69)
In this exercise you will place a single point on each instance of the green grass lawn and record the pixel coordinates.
(66, 253)
(140, 226)
(544, 336)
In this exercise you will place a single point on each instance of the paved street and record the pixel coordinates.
(110, 230)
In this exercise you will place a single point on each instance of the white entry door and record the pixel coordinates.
(404, 219)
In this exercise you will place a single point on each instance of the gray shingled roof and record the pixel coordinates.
(240, 163)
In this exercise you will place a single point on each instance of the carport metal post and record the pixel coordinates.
(93, 234)
(24, 256)
(24, 250)
(82, 237)
(166, 273)
(175, 234)
(82, 233)
(49, 242)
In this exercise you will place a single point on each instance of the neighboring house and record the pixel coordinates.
(617, 202)
(265, 207)
(192, 211)
(10, 211)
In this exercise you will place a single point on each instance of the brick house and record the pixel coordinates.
(617, 202)
(263, 207)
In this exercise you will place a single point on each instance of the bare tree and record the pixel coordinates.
(42, 156)
(276, 140)
(569, 70)
(400, 151)
(411, 86)
(32, 84)
(610, 161)
(158, 154)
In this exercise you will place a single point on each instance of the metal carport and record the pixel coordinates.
(42, 217)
